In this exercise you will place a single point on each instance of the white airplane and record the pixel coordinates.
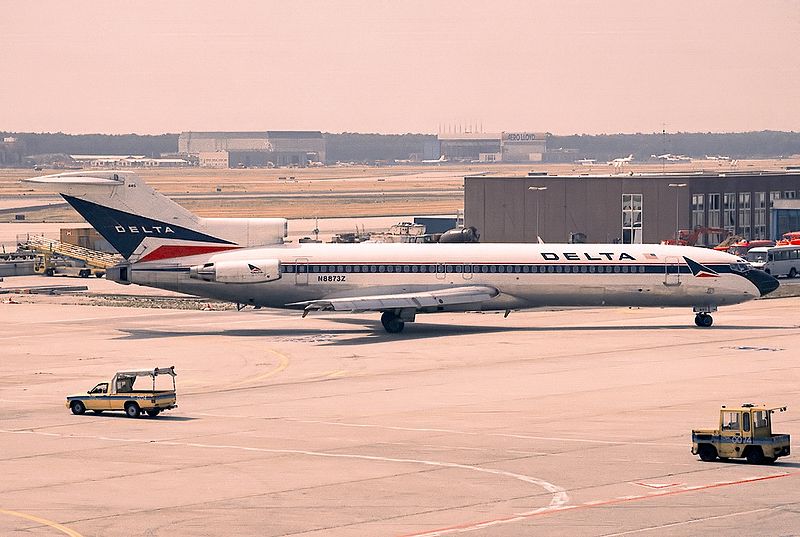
(669, 157)
(439, 160)
(244, 260)
(621, 161)
(586, 161)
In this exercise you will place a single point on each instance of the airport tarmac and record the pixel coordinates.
(573, 422)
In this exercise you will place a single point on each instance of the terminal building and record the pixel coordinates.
(494, 147)
(268, 148)
(631, 208)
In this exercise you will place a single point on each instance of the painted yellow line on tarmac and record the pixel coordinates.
(283, 363)
(55, 525)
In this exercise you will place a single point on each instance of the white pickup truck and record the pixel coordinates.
(130, 391)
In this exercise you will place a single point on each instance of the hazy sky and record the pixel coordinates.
(399, 66)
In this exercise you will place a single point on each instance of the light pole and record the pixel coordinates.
(537, 189)
(676, 186)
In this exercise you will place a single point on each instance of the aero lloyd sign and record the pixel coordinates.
(521, 137)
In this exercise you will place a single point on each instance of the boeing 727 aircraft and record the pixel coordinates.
(245, 260)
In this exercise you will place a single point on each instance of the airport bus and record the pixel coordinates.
(779, 261)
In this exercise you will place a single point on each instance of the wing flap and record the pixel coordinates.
(450, 296)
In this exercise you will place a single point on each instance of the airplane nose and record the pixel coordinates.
(763, 281)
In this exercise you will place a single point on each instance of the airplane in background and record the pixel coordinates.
(669, 157)
(440, 160)
(586, 161)
(621, 161)
(245, 260)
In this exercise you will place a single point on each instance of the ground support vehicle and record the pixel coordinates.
(783, 261)
(744, 432)
(124, 393)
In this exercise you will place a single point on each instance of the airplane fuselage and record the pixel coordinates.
(526, 275)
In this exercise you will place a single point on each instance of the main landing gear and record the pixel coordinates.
(703, 319)
(392, 322)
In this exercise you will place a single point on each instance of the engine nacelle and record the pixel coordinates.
(255, 271)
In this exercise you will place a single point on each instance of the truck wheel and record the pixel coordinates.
(755, 455)
(84, 273)
(132, 410)
(153, 413)
(77, 407)
(50, 272)
(707, 452)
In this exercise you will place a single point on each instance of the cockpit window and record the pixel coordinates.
(741, 266)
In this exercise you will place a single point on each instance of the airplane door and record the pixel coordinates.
(672, 274)
(301, 271)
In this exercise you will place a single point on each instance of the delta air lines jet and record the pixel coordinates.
(245, 260)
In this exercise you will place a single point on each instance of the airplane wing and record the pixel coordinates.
(448, 296)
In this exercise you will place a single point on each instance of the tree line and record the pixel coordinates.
(370, 147)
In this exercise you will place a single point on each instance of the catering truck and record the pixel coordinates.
(131, 391)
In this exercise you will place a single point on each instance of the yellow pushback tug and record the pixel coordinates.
(746, 432)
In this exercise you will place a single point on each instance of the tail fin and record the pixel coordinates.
(144, 225)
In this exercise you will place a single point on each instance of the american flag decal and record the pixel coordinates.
(700, 271)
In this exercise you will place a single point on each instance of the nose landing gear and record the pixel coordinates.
(703, 319)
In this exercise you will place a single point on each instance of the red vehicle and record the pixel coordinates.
(742, 247)
(793, 237)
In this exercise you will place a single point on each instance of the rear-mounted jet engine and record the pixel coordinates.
(258, 271)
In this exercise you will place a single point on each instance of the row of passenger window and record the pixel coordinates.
(458, 269)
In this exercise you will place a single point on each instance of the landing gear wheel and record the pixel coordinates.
(703, 319)
(792, 272)
(97, 411)
(77, 407)
(707, 452)
(132, 410)
(392, 322)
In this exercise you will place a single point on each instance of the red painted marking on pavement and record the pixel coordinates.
(167, 252)
(588, 505)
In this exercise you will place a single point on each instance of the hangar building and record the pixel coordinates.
(630, 208)
(494, 147)
(278, 148)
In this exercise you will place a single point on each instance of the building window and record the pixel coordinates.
(729, 212)
(774, 195)
(631, 218)
(744, 214)
(699, 213)
(760, 216)
(789, 194)
(714, 218)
